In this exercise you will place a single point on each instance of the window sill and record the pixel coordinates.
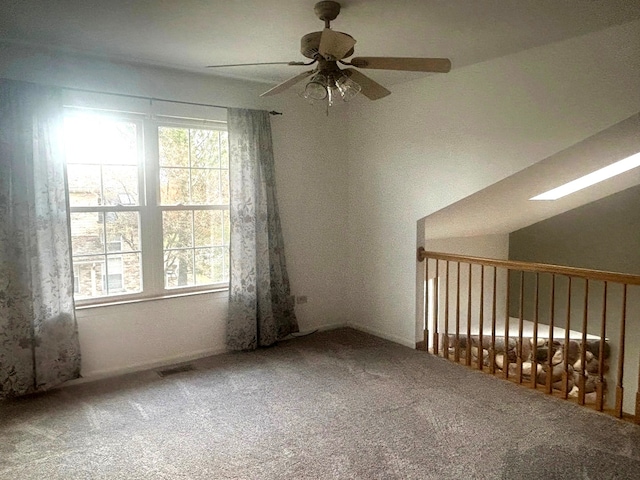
(116, 302)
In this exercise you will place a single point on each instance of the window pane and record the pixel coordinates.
(87, 233)
(120, 185)
(84, 185)
(205, 187)
(95, 139)
(123, 232)
(205, 149)
(211, 265)
(88, 272)
(120, 142)
(174, 186)
(173, 146)
(208, 227)
(125, 273)
(177, 229)
(113, 276)
(178, 268)
(203, 266)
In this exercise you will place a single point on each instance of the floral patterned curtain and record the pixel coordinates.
(38, 332)
(260, 304)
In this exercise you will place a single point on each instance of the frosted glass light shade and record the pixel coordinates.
(347, 87)
(316, 89)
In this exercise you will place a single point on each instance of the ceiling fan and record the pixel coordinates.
(327, 49)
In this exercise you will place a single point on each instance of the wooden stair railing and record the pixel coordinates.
(518, 356)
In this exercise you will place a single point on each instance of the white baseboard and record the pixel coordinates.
(332, 326)
(114, 372)
(393, 338)
(138, 367)
(319, 328)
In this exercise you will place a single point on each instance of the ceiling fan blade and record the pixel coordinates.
(281, 87)
(262, 63)
(335, 45)
(438, 65)
(370, 89)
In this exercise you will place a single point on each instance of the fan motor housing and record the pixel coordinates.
(310, 44)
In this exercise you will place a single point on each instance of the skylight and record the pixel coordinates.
(591, 179)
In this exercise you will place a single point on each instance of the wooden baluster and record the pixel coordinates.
(567, 327)
(445, 345)
(505, 362)
(425, 333)
(534, 347)
(481, 322)
(520, 327)
(468, 351)
(457, 350)
(436, 312)
(551, 325)
(492, 352)
(636, 418)
(582, 382)
(601, 354)
(623, 322)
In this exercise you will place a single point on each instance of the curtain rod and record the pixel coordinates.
(151, 99)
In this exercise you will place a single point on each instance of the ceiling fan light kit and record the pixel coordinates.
(331, 87)
(329, 83)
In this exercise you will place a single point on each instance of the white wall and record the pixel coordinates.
(441, 138)
(311, 176)
(312, 193)
(487, 246)
(129, 337)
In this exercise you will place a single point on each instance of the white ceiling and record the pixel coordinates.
(190, 34)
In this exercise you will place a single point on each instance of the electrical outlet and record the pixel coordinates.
(301, 299)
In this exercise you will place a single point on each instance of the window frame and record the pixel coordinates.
(149, 207)
(173, 122)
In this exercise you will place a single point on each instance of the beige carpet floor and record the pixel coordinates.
(337, 404)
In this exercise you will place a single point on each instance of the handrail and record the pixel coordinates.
(579, 372)
(534, 267)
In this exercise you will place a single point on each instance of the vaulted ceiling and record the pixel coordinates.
(505, 206)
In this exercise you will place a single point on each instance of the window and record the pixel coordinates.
(149, 205)
(194, 194)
